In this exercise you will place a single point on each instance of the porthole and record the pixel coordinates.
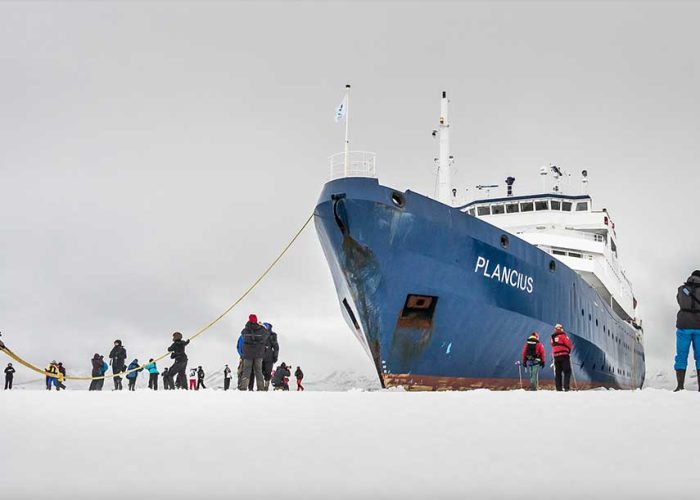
(589, 317)
(552, 266)
(596, 322)
(504, 241)
(583, 313)
(398, 199)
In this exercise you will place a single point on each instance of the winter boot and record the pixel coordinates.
(680, 377)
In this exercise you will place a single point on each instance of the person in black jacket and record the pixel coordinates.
(227, 378)
(280, 381)
(97, 362)
(179, 368)
(117, 358)
(299, 376)
(272, 350)
(687, 328)
(254, 339)
(200, 378)
(62, 371)
(168, 383)
(9, 375)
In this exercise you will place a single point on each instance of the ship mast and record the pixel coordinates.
(444, 192)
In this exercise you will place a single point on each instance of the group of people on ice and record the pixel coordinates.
(534, 357)
(258, 350)
(257, 347)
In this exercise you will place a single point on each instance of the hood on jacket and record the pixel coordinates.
(694, 278)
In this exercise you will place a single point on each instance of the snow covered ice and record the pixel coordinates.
(331, 445)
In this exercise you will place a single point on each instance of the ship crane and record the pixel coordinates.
(487, 187)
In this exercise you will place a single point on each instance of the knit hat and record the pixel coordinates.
(267, 326)
(535, 334)
(696, 273)
(253, 318)
(177, 336)
(558, 327)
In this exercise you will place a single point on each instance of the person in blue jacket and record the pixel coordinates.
(239, 349)
(152, 370)
(133, 375)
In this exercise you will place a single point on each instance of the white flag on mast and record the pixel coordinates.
(341, 109)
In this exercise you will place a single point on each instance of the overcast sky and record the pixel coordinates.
(154, 158)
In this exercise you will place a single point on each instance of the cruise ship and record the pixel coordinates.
(443, 297)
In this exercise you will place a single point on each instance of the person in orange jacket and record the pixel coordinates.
(533, 358)
(561, 351)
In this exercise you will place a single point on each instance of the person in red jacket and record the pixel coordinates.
(561, 352)
(533, 358)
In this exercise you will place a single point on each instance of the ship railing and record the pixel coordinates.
(358, 164)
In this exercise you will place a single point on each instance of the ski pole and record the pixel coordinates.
(520, 374)
(573, 375)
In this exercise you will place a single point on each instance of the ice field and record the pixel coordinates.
(356, 444)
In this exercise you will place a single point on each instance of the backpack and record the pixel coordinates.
(531, 350)
(689, 302)
(105, 367)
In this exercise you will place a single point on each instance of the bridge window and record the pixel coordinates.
(575, 254)
(582, 206)
(556, 205)
(566, 206)
(497, 209)
(541, 205)
(512, 208)
(526, 207)
(483, 210)
(470, 211)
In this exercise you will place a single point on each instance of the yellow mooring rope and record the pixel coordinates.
(199, 332)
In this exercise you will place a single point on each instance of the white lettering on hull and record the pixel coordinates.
(505, 275)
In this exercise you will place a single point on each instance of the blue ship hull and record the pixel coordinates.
(443, 300)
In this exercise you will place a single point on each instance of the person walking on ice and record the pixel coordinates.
(561, 352)
(533, 358)
(179, 368)
(299, 376)
(9, 376)
(200, 378)
(193, 379)
(687, 328)
(227, 378)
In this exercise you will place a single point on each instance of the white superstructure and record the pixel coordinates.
(568, 228)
